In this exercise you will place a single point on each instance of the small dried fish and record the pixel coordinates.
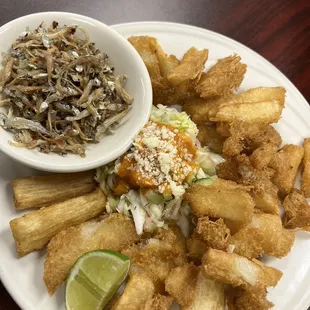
(60, 89)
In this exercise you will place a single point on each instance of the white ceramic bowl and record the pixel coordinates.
(125, 60)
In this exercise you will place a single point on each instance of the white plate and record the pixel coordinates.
(23, 277)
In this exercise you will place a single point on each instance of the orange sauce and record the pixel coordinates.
(183, 144)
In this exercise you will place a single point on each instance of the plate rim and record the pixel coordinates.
(304, 303)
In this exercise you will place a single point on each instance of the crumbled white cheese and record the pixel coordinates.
(160, 158)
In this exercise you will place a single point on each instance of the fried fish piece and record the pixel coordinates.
(285, 163)
(297, 211)
(261, 157)
(215, 234)
(43, 191)
(190, 68)
(158, 302)
(166, 62)
(138, 291)
(223, 78)
(209, 137)
(265, 196)
(193, 291)
(198, 109)
(238, 299)
(196, 248)
(305, 183)
(236, 270)
(34, 230)
(181, 283)
(246, 137)
(261, 105)
(223, 199)
(263, 191)
(264, 235)
(114, 232)
(142, 45)
(156, 256)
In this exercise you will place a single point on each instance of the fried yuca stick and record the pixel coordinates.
(42, 191)
(34, 230)
(236, 270)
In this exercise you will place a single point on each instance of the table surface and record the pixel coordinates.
(279, 30)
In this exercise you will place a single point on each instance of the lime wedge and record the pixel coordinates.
(94, 279)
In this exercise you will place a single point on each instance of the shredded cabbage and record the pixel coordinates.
(173, 117)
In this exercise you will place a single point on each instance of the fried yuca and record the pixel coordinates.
(236, 270)
(138, 291)
(35, 229)
(42, 191)
(223, 199)
(193, 291)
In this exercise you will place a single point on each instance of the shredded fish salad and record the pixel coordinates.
(60, 91)
(148, 182)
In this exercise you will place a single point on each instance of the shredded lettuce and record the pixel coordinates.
(173, 117)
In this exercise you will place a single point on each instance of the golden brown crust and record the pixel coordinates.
(236, 270)
(223, 78)
(35, 229)
(114, 232)
(297, 211)
(43, 191)
(305, 183)
(285, 164)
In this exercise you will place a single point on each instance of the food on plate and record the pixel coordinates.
(215, 234)
(265, 196)
(43, 191)
(196, 248)
(181, 283)
(241, 170)
(306, 173)
(157, 256)
(35, 229)
(264, 235)
(60, 90)
(190, 68)
(238, 271)
(198, 109)
(193, 291)
(226, 200)
(297, 211)
(238, 299)
(94, 279)
(139, 290)
(285, 164)
(149, 181)
(223, 78)
(142, 45)
(261, 105)
(197, 193)
(113, 232)
(159, 302)
(208, 136)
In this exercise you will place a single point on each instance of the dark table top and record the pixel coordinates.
(279, 30)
